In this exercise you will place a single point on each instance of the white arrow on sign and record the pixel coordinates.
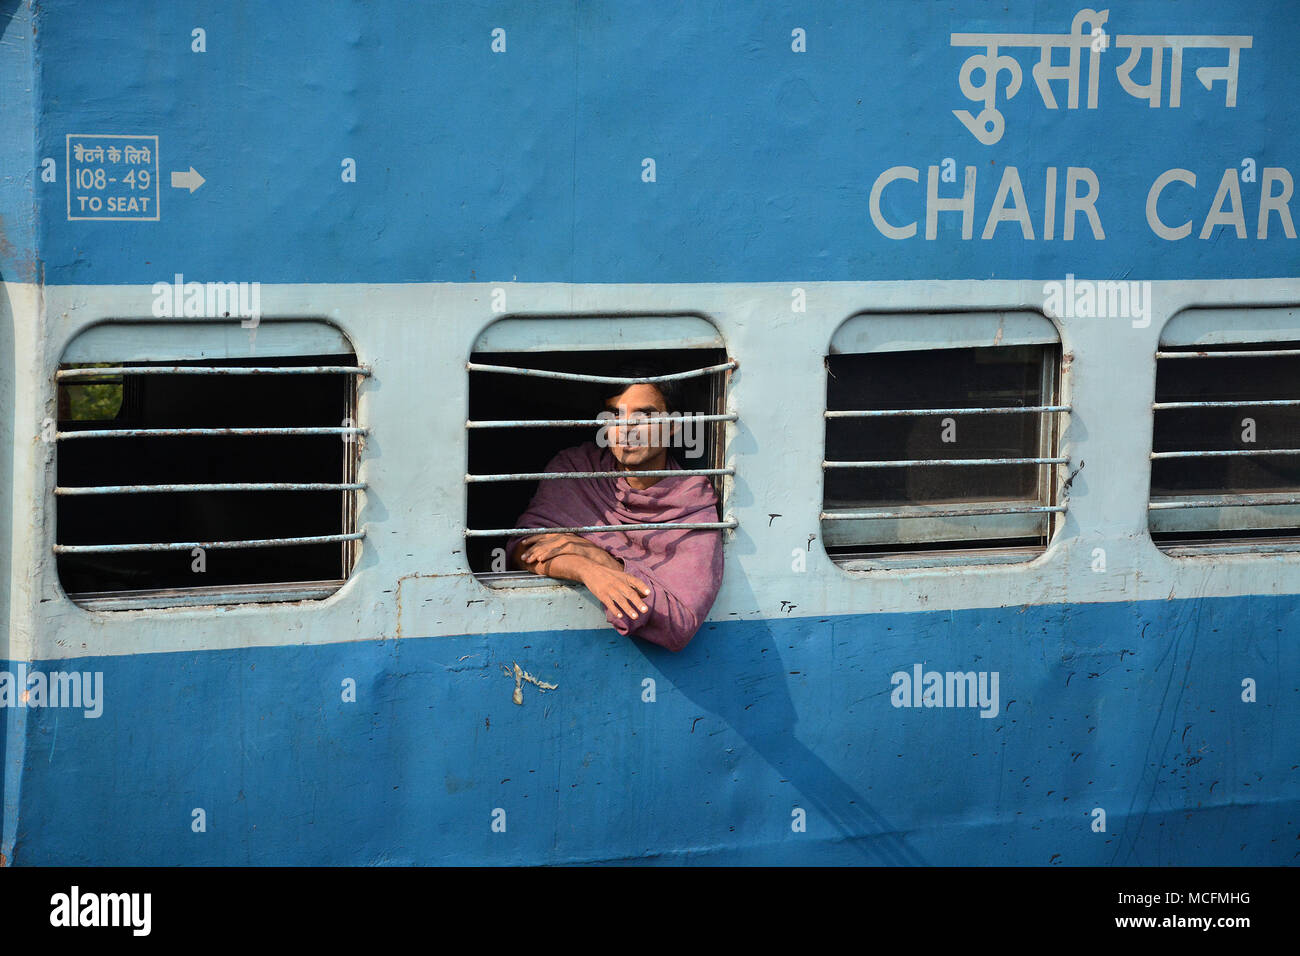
(191, 180)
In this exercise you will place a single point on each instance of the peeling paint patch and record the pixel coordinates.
(520, 675)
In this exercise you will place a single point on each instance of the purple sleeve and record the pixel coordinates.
(681, 591)
(547, 506)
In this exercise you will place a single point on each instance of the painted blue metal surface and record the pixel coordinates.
(475, 166)
(1127, 707)
(18, 114)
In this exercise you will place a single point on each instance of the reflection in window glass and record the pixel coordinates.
(94, 400)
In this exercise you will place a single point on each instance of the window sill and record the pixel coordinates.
(912, 560)
(518, 579)
(200, 597)
(1260, 546)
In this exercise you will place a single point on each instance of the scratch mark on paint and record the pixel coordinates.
(1074, 474)
(520, 675)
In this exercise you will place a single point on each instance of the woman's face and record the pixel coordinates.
(637, 446)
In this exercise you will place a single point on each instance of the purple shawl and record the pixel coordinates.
(683, 568)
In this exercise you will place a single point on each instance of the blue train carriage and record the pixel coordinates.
(990, 314)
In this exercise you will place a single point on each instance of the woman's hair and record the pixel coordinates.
(672, 392)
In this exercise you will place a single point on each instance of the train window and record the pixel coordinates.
(190, 473)
(1225, 469)
(942, 440)
(536, 387)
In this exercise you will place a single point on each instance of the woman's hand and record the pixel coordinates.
(572, 557)
(621, 593)
(540, 549)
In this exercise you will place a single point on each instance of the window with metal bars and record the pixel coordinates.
(1225, 469)
(525, 406)
(942, 455)
(206, 480)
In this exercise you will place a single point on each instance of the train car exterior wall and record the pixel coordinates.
(411, 181)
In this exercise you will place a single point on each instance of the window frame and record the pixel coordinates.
(1204, 335)
(557, 335)
(152, 344)
(934, 545)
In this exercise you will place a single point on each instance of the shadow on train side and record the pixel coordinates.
(762, 712)
(1134, 708)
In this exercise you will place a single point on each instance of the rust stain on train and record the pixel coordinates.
(398, 595)
(26, 269)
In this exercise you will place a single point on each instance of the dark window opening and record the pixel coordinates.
(1020, 376)
(208, 401)
(495, 396)
(1246, 495)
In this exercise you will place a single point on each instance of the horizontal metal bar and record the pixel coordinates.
(220, 486)
(600, 379)
(1162, 406)
(646, 526)
(547, 475)
(1225, 501)
(205, 545)
(917, 512)
(1224, 453)
(71, 373)
(205, 432)
(1245, 353)
(889, 412)
(577, 422)
(944, 461)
